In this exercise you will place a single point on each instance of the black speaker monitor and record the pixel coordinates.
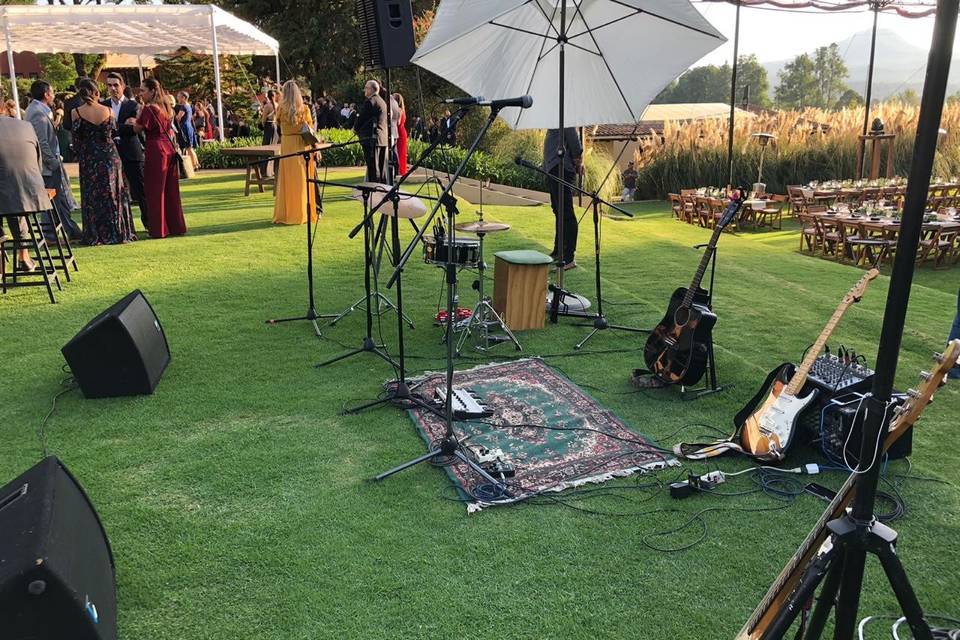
(57, 578)
(386, 33)
(121, 352)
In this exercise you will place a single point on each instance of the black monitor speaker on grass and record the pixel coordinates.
(57, 578)
(386, 33)
(121, 352)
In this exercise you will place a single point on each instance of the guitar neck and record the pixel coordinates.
(704, 261)
(800, 377)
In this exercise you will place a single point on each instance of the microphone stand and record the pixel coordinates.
(600, 322)
(449, 445)
(311, 314)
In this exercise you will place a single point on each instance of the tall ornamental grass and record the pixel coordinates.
(811, 145)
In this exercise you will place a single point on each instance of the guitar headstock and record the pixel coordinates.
(930, 381)
(733, 208)
(860, 288)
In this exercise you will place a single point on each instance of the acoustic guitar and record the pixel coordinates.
(769, 431)
(904, 417)
(676, 350)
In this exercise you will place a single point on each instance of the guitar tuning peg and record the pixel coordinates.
(925, 376)
(938, 357)
(913, 393)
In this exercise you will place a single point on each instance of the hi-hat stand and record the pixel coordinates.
(449, 445)
(311, 315)
(600, 322)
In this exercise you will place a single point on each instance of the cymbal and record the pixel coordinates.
(482, 226)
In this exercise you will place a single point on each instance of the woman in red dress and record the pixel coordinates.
(401, 135)
(161, 177)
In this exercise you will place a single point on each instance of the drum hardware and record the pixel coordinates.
(373, 194)
(484, 315)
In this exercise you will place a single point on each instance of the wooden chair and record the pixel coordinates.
(798, 203)
(772, 213)
(935, 244)
(689, 197)
(717, 207)
(57, 239)
(702, 212)
(860, 246)
(810, 232)
(676, 205)
(832, 237)
(45, 274)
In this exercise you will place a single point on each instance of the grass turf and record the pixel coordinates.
(237, 498)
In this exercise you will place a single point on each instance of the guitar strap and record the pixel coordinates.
(704, 450)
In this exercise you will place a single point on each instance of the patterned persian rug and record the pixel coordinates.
(553, 434)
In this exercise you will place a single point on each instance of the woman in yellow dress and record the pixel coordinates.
(290, 200)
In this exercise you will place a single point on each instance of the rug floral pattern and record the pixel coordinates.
(571, 440)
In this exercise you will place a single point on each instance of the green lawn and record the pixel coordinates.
(237, 497)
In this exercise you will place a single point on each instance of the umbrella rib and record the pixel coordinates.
(605, 63)
(605, 24)
(549, 19)
(469, 31)
(540, 56)
(527, 31)
(665, 19)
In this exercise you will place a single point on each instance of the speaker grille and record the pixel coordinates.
(386, 33)
(371, 47)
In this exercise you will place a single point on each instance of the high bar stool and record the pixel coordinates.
(45, 273)
(54, 230)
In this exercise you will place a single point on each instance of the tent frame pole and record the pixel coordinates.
(733, 97)
(276, 55)
(216, 73)
(140, 67)
(13, 71)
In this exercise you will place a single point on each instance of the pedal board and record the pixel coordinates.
(466, 404)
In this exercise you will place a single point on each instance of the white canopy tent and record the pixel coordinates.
(133, 29)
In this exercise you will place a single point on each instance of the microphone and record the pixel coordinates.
(523, 163)
(524, 102)
(465, 102)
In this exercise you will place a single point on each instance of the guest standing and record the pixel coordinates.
(290, 201)
(183, 113)
(371, 128)
(448, 128)
(629, 177)
(268, 118)
(954, 335)
(161, 182)
(129, 144)
(401, 135)
(105, 208)
(23, 190)
(40, 115)
(566, 167)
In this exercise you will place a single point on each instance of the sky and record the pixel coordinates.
(778, 35)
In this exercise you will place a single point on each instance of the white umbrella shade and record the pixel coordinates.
(619, 54)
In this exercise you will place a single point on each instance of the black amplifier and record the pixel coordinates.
(841, 415)
(832, 376)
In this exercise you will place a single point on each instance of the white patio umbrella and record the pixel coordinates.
(584, 62)
(616, 55)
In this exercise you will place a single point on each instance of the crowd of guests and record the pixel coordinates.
(127, 149)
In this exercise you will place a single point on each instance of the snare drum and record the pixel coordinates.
(466, 251)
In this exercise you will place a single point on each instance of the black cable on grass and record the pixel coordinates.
(41, 429)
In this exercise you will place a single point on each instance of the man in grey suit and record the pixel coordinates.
(40, 115)
(571, 160)
(23, 190)
(371, 128)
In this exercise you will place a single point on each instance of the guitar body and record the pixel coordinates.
(676, 350)
(768, 432)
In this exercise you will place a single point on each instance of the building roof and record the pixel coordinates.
(655, 115)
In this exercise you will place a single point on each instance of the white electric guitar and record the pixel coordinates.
(769, 431)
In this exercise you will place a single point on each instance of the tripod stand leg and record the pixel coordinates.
(848, 600)
(433, 453)
(905, 595)
(825, 601)
(580, 344)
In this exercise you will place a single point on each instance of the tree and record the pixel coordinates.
(831, 75)
(849, 99)
(798, 86)
(750, 73)
(58, 69)
(701, 84)
(906, 97)
(193, 73)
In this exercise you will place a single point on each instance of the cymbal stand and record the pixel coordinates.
(367, 345)
(484, 315)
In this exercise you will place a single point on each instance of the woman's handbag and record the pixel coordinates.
(184, 163)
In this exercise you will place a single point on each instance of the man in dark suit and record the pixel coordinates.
(448, 128)
(371, 128)
(20, 174)
(129, 145)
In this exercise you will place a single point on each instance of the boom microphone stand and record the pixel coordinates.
(450, 445)
(600, 322)
(311, 315)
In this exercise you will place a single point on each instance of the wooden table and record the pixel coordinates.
(257, 158)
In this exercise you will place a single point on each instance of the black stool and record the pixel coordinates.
(46, 272)
(54, 230)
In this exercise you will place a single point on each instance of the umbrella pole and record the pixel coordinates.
(733, 97)
(558, 291)
(875, 5)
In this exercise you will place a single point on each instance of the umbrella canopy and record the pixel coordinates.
(618, 54)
